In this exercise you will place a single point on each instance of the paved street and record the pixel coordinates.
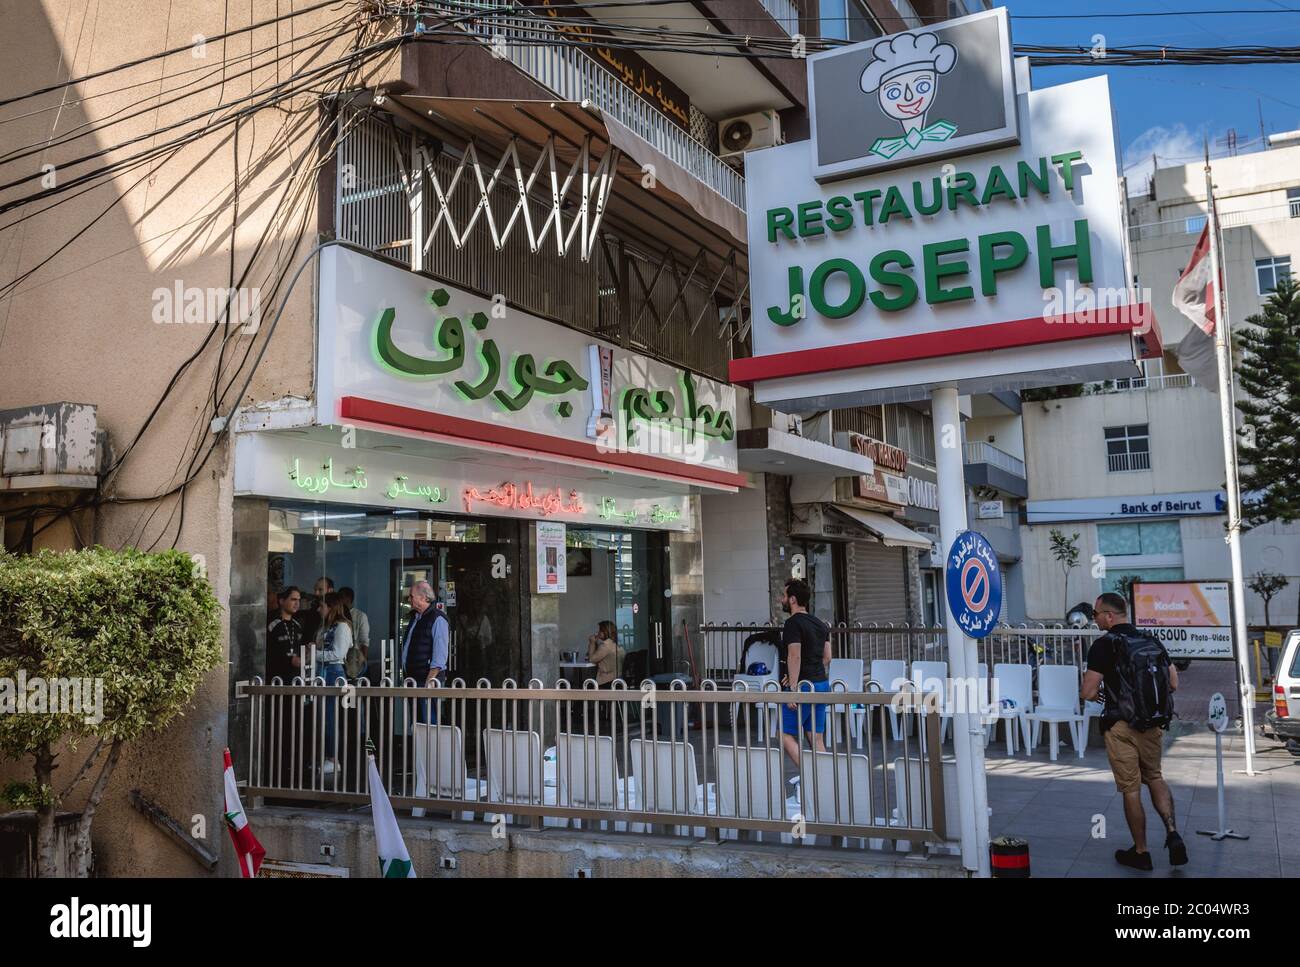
(1054, 805)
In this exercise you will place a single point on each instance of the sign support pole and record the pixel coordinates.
(1222, 346)
(968, 737)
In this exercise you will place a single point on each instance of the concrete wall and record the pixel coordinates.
(1066, 444)
(736, 556)
(298, 835)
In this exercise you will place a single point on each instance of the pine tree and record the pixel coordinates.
(1269, 442)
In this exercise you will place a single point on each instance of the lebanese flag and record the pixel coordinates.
(394, 860)
(1194, 298)
(241, 834)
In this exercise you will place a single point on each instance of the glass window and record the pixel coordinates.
(1194, 224)
(1119, 579)
(1128, 447)
(1293, 201)
(861, 25)
(1269, 272)
(1119, 539)
(1146, 537)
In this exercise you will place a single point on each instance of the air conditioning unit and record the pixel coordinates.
(761, 129)
(54, 446)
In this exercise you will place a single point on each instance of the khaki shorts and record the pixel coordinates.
(1134, 756)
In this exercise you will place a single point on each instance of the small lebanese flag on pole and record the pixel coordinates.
(394, 860)
(247, 847)
(1194, 298)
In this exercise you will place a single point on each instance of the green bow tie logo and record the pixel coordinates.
(889, 147)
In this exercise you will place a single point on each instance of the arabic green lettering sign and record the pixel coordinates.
(527, 379)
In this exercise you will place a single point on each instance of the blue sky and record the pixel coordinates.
(1169, 110)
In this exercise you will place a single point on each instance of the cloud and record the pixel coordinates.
(1173, 145)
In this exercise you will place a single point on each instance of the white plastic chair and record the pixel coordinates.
(1015, 682)
(440, 749)
(515, 771)
(1091, 710)
(765, 653)
(990, 712)
(932, 677)
(836, 788)
(749, 784)
(585, 771)
(1058, 702)
(765, 713)
(889, 674)
(848, 671)
(666, 779)
(915, 799)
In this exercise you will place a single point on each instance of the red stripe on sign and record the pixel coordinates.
(952, 342)
(1004, 861)
(457, 429)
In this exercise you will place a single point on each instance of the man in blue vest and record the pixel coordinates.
(424, 650)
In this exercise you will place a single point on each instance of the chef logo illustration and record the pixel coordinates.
(903, 73)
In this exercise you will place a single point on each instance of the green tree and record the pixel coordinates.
(1066, 552)
(1267, 584)
(129, 633)
(1269, 373)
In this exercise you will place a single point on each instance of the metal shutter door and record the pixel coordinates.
(878, 591)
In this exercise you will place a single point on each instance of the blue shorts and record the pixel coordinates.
(789, 717)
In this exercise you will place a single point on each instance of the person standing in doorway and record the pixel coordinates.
(311, 616)
(332, 644)
(424, 650)
(807, 642)
(1134, 673)
(360, 630)
(284, 637)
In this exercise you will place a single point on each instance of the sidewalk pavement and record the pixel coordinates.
(1073, 817)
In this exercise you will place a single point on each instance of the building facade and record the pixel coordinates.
(374, 309)
(1135, 469)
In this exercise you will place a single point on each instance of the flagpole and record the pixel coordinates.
(1223, 352)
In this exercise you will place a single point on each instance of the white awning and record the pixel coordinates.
(890, 531)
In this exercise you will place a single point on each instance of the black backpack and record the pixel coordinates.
(1144, 699)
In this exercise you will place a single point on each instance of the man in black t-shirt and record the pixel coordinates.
(1134, 754)
(807, 642)
(284, 638)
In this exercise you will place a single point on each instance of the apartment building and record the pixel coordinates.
(1136, 468)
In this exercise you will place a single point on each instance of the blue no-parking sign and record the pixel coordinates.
(974, 583)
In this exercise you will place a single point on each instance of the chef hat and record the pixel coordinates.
(907, 52)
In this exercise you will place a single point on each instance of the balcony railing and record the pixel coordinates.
(1193, 224)
(1124, 462)
(1148, 383)
(980, 452)
(532, 46)
(636, 760)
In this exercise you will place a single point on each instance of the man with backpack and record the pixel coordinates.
(1134, 674)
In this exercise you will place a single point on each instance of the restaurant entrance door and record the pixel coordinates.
(621, 576)
(471, 564)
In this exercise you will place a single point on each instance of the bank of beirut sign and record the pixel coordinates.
(1190, 504)
(400, 350)
(290, 468)
(1002, 269)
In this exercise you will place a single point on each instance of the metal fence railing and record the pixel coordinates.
(981, 452)
(704, 762)
(724, 644)
(1124, 462)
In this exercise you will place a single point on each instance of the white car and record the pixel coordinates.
(1282, 721)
